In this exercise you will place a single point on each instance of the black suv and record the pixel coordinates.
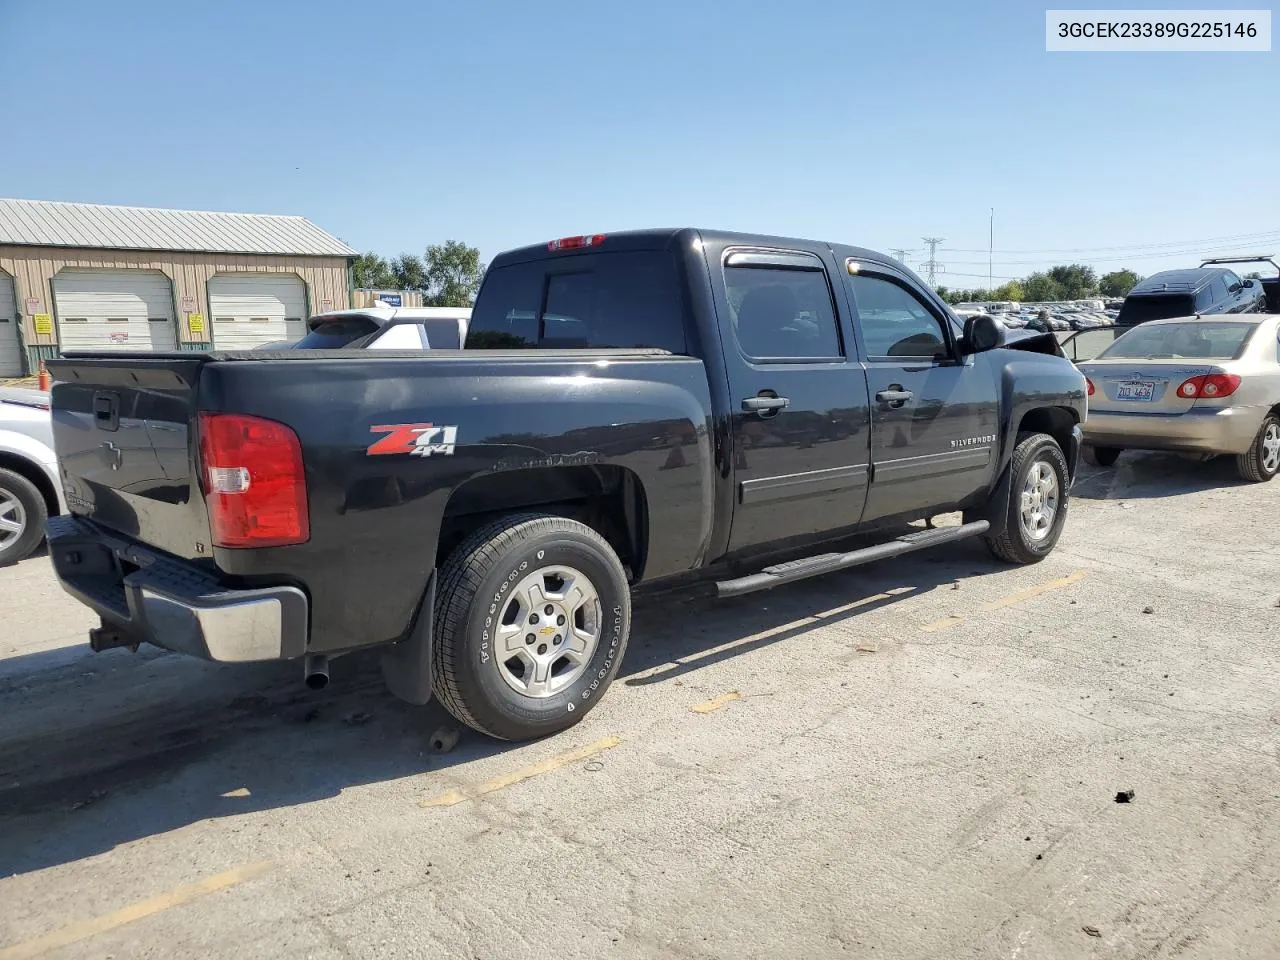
(1184, 293)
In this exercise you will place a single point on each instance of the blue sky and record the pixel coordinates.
(395, 125)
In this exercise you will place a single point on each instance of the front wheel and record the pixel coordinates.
(1262, 462)
(532, 619)
(1037, 503)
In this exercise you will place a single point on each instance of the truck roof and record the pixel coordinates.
(659, 238)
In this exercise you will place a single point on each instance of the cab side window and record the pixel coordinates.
(894, 321)
(782, 314)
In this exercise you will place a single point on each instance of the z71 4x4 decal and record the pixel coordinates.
(415, 439)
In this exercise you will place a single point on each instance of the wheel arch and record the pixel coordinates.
(36, 474)
(608, 498)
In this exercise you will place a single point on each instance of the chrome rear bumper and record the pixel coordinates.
(153, 598)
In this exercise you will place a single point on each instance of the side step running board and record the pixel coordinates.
(782, 573)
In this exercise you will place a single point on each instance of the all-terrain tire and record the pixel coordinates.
(1015, 544)
(1099, 456)
(20, 502)
(476, 588)
(1254, 465)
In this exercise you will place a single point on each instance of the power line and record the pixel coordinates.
(932, 266)
(1123, 258)
(1236, 238)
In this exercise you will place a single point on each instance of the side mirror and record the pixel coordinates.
(1249, 283)
(983, 333)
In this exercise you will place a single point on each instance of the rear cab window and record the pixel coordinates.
(630, 299)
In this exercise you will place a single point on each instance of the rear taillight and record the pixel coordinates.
(1088, 385)
(576, 243)
(1212, 386)
(251, 472)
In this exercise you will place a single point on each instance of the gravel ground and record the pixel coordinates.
(917, 759)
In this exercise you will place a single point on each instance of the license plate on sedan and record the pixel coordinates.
(1136, 390)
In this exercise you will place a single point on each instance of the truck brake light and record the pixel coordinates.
(576, 243)
(253, 479)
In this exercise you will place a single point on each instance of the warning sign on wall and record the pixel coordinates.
(119, 336)
(43, 323)
(188, 304)
(195, 322)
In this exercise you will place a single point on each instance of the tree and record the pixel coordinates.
(409, 272)
(1076, 281)
(1118, 283)
(370, 271)
(1009, 291)
(453, 272)
(1040, 287)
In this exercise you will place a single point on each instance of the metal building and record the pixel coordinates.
(86, 276)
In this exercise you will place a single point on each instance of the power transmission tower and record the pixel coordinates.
(932, 266)
(900, 255)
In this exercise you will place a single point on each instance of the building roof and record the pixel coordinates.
(47, 223)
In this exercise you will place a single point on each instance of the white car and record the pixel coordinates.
(387, 328)
(29, 487)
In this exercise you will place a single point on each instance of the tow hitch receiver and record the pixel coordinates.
(108, 636)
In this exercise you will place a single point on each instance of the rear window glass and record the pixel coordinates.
(602, 300)
(1167, 306)
(336, 334)
(1178, 341)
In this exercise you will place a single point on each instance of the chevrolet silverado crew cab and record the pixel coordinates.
(626, 409)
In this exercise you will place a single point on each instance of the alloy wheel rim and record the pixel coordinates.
(1039, 501)
(1271, 448)
(548, 631)
(13, 518)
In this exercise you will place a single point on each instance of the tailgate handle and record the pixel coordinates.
(106, 411)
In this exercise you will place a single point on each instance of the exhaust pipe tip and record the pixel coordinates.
(315, 671)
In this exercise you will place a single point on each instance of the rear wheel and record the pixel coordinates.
(22, 516)
(1038, 501)
(1262, 462)
(1099, 456)
(532, 619)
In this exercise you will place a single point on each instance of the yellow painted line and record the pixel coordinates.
(521, 775)
(1008, 601)
(716, 703)
(176, 897)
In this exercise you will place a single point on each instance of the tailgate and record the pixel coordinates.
(123, 429)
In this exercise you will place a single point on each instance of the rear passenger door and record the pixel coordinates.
(798, 396)
(935, 414)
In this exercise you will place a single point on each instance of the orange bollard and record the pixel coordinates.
(43, 381)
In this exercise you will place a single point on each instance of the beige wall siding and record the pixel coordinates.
(33, 270)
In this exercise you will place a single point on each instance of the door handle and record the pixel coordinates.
(765, 406)
(895, 396)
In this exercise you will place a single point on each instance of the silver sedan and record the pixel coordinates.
(1198, 385)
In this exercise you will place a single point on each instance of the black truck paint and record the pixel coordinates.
(711, 458)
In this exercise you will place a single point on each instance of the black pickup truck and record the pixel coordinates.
(627, 408)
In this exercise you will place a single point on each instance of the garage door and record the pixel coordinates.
(253, 309)
(10, 352)
(114, 310)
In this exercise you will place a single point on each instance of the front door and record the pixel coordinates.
(935, 414)
(800, 422)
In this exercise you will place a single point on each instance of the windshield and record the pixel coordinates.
(1181, 341)
(1164, 306)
